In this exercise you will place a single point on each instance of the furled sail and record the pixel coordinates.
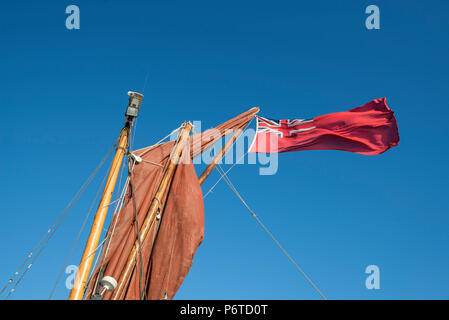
(168, 250)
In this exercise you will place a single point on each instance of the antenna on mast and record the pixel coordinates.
(135, 101)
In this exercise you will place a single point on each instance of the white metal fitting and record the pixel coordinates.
(108, 283)
(137, 159)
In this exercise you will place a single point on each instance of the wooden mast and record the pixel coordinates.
(77, 291)
(152, 211)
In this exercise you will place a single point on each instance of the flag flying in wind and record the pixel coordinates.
(370, 129)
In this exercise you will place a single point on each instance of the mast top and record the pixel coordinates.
(135, 100)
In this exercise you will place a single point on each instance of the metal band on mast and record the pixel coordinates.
(77, 293)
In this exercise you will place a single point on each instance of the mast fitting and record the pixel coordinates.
(137, 159)
(108, 283)
(135, 100)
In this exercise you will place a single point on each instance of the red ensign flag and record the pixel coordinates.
(370, 129)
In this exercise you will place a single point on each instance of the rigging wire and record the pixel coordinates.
(232, 187)
(116, 214)
(140, 241)
(133, 191)
(57, 223)
(136, 218)
(132, 135)
(54, 227)
(119, 206)
(81, 230)
(101, 247)
(157, 143)
(111, 231)
(221, 177)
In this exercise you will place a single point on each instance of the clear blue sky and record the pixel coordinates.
(63, 96)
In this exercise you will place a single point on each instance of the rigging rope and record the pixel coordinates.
(57, 223)
(55, 226)
(153, 163)
(221, 177)
(105, 241)
(81, 230)
(101, 245)
(157, 143)
(132, 135)
(133, 191)
(119, 201)
(117, 211)
(232, 187)
(111, 230)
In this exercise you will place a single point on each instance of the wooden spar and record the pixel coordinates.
(132, 111)
(152, 212)
(220, 155)
(77, 292)
(223, 151)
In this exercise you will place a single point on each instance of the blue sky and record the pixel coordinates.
(63, 96)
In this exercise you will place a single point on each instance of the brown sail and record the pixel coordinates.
(168, 250)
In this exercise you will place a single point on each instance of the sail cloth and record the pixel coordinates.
(370, 129)
(202, 141)
(168, 250)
